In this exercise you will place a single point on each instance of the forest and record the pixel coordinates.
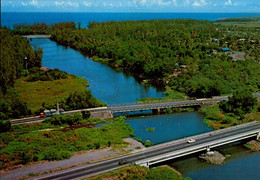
(185, 55)
(27, 90)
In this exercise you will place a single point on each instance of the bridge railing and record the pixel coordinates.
(149, 102)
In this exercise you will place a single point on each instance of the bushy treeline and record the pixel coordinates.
(139, 173)
(40, 28)
(186, 54)
(40, 75)
(16, 55)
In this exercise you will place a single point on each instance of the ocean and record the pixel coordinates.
(8, 19)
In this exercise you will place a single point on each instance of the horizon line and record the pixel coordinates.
(118, 12)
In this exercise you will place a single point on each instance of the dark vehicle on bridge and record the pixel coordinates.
(122, 162)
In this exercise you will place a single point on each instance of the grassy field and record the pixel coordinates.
(137, 173)
(39, 92)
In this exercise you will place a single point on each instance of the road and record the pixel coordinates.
(95, 168)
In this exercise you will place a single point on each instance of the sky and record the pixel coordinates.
(130, 5)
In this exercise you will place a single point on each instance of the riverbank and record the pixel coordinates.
(79, 158)
(253, 145)
(139, 172)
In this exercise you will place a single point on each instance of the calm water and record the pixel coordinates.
(242, 165)
(107, 84)
(168, 127)
(8, 19)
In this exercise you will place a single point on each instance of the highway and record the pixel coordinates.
(107, 165)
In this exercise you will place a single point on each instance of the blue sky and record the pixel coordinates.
(130, 5)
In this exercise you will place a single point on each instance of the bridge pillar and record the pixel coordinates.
(258, 136)
(208, 149)
(156, 111)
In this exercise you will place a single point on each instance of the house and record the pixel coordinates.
(225, 49)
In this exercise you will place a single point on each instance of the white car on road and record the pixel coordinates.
(191, 140)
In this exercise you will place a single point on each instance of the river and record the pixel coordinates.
(106, 84)
(113, 86)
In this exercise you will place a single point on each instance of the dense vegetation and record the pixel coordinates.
(51, 140)
(184, 54)
(240, 108)
(138, 173)
(241, 103)
(17, 56)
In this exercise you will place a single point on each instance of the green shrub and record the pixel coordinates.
(5, 125)
(75, 118)
(148, 143)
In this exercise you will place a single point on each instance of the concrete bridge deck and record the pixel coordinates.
(163, 152)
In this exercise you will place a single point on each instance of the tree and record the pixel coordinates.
(5, 125)
(241, 103)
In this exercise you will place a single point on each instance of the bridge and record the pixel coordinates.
(163, 152)
(156, 106)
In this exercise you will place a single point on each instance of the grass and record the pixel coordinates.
(135, 172)
(152, 129)
(170, 96)
(39, 92)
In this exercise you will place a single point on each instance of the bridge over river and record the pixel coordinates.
(140, 106)
(163, 152)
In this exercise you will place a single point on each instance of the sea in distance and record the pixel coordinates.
(8, 19)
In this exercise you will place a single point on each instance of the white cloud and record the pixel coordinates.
(199, 3)
(31, 3)
(174, 2)
(187, 2)
(163, 3)
(59, 3)
(87, 4)
(66, 4)
(34, 3)
(155, 2)
(229, 2)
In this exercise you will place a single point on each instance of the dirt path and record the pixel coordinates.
(80, 158)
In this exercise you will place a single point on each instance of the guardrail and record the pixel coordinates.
(197, 148)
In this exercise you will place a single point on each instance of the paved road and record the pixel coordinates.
(90, 169)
